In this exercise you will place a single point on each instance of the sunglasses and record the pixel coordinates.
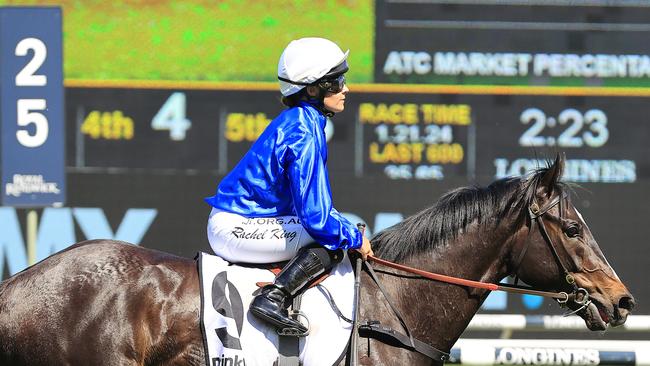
(333, 85)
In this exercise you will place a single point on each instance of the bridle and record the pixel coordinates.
(536, 214)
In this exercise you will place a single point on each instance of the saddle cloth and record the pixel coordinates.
(233, 336)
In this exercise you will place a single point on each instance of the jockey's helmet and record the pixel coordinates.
(308, 60)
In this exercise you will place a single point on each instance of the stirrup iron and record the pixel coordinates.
(295, 332)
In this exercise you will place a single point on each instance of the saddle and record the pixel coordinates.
(227, 289)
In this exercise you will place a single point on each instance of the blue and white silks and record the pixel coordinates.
(284, 173)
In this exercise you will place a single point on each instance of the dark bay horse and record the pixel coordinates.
(104, 302)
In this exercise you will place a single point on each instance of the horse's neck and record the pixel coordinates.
(437, 313)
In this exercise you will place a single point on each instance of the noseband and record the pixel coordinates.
(536, 213)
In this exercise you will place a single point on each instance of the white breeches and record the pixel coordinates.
(240, 239)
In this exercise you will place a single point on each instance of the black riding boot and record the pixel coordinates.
(272, 303)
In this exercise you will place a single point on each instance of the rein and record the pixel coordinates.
(563, 296)
(373, 329)
(579, 295)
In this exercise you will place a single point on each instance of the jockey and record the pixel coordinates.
(276, 204)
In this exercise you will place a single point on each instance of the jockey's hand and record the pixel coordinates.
(365, 249)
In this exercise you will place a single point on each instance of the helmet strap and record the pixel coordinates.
(318, 102)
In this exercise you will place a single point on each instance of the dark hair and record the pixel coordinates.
(293, 100)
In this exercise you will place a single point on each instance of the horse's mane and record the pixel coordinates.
(454, 211)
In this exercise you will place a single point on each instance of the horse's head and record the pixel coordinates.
(561, 254)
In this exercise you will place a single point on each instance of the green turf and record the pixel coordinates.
(226, 40)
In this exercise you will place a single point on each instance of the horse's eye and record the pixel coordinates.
(572, 231)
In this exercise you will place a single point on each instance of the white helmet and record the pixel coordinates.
(306, 60)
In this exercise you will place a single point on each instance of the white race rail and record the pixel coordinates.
(637, 323)
(550, 352)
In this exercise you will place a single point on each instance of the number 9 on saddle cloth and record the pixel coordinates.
(231, 331)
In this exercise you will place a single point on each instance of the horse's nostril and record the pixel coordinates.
(627, 303)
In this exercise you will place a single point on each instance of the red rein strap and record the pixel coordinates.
(435, 276)
(469, 283)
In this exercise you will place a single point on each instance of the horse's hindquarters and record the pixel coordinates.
(102, 303)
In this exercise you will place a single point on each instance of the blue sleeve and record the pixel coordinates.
(312, 198)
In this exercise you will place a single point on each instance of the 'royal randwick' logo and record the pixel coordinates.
(29, 184)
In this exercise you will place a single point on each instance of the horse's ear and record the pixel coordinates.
(552, 175)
